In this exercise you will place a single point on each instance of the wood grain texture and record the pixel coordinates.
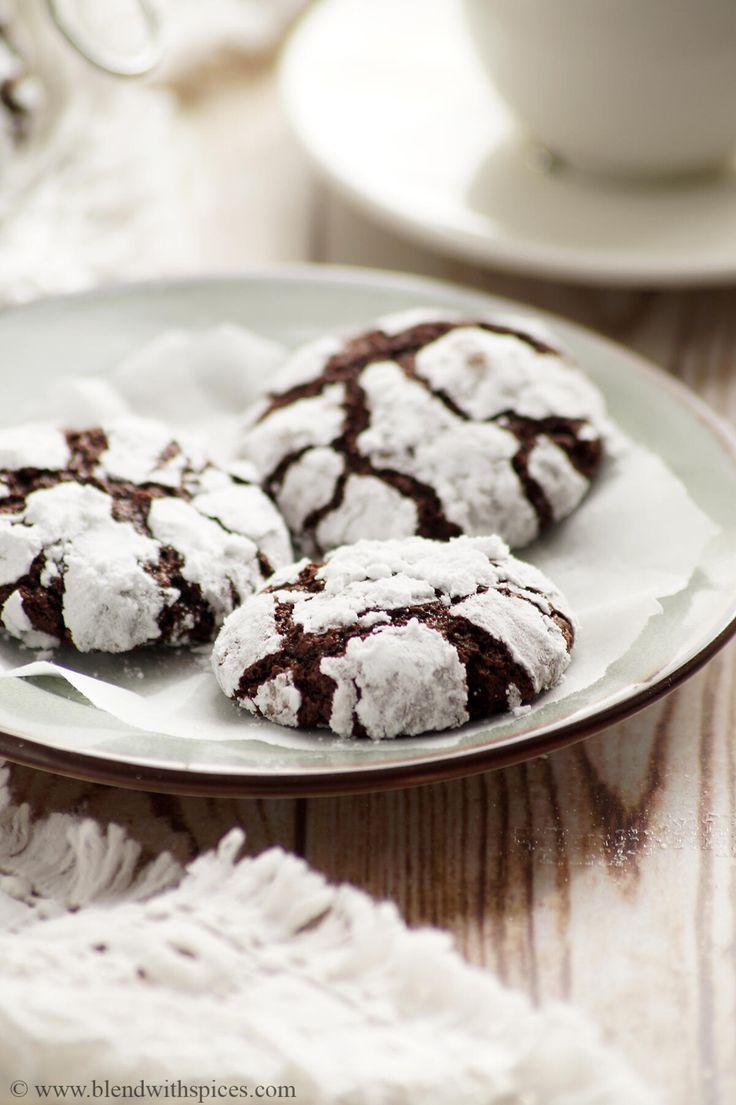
(605, 873)
(182, 826)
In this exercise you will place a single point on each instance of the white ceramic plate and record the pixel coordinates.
(47, 725)
(391, 104)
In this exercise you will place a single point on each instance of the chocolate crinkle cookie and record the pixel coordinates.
(429, 424)
(120, 536)
(395, 638)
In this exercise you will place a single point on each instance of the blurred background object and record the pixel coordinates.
(626, 89)
(421, 141)
(122, 38)
(196, 34)
(104, 179)
(21, 92)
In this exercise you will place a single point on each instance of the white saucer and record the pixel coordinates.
(389, 101)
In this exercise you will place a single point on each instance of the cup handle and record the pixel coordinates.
(135, 64)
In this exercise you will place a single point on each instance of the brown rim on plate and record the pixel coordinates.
(96, 769)
(367, 777)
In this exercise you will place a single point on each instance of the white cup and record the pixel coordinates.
(643, 88)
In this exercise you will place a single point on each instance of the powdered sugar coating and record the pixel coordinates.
(395, 638)
(369, 509)
(310, 482)
(429, 424)
(523, 379)
(45, 447)
(392, 682)
(563, 485)
(118, 537)
(18, 623)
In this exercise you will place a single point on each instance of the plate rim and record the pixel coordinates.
(199, 783)
(320, 782)
(545, 262)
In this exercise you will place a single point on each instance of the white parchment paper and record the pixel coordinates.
(635, 541)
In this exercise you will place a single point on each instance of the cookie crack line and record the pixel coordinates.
(546, 460)
(376, 345)
(301, 654)
(264, 563)
(431, 516)
(115, 538)
(41, 604)
(396, 637)
(520, 461)
(583, 455)
(130, 501)
(189, 614)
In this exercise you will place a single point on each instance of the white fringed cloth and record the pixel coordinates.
(256, 971)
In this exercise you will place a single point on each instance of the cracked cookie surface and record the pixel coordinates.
(396, 638)
(117, 537)
(429, 424)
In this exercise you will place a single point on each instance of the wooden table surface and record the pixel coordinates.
(604, 873)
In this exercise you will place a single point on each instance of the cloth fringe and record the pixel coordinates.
(60, 863)
(256, 971)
